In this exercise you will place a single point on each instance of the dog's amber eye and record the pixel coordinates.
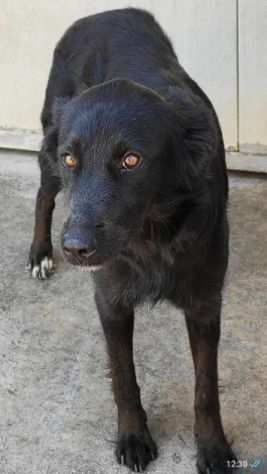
(130, 161)
(69, 161)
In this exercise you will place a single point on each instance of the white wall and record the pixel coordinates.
(203, 32)
(253, 74)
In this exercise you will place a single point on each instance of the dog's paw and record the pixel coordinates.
(41, 264)
(136, 450)
(215, 458)
(42, 270)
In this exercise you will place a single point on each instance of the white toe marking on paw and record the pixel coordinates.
(42, 271)
(35, 271)
(44, 268)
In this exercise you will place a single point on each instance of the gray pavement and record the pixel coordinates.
(56, 409)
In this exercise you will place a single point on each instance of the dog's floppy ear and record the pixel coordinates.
(197, 139)
(50, 140)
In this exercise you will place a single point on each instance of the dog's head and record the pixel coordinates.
(120, 151)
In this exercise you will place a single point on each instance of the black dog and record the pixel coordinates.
(139, 147)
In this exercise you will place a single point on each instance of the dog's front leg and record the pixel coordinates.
(135, 446)
(41, 252)
(203, 324)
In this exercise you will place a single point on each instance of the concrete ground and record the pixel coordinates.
(56, 409)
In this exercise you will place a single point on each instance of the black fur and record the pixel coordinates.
(156, 231)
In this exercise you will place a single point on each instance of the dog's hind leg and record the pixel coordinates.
(135, 446)
(203, 324)
(41, 252)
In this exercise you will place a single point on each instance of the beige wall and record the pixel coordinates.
(253, 74)
(203, 32)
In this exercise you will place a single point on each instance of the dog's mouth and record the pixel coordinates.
(87, 261)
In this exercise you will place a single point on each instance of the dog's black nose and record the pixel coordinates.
(76, 249)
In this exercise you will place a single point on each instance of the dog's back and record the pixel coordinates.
(126, 43)
(122, 43)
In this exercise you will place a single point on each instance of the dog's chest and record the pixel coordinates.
(153, 278)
